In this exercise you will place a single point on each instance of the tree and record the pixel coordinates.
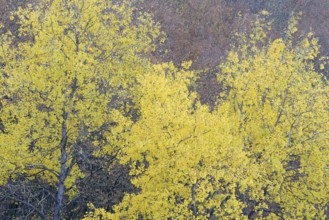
(282, 106)
(57, 86)
(263, 153)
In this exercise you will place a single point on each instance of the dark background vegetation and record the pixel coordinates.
(197, 30)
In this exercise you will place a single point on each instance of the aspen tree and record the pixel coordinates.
(263, 153)
(57, 85)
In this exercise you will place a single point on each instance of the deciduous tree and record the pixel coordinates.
(263, 153)
(57, 86)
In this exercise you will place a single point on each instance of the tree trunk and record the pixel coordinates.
(63, 172)
(65, 168)
(60, 194)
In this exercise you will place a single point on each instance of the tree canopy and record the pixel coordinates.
(78, 82)
(58, 84)
(263, 152)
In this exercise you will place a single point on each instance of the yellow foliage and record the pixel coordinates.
(57, 84)
(264, 148)
(282, 104)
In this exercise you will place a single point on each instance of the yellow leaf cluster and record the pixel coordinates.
(264, 148)
(57, 84)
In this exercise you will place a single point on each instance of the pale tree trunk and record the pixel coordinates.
(60, 195)
(65, 168)
(62, 174)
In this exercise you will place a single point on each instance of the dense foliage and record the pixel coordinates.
(262, 153)
(58, 84)
(83, 105)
